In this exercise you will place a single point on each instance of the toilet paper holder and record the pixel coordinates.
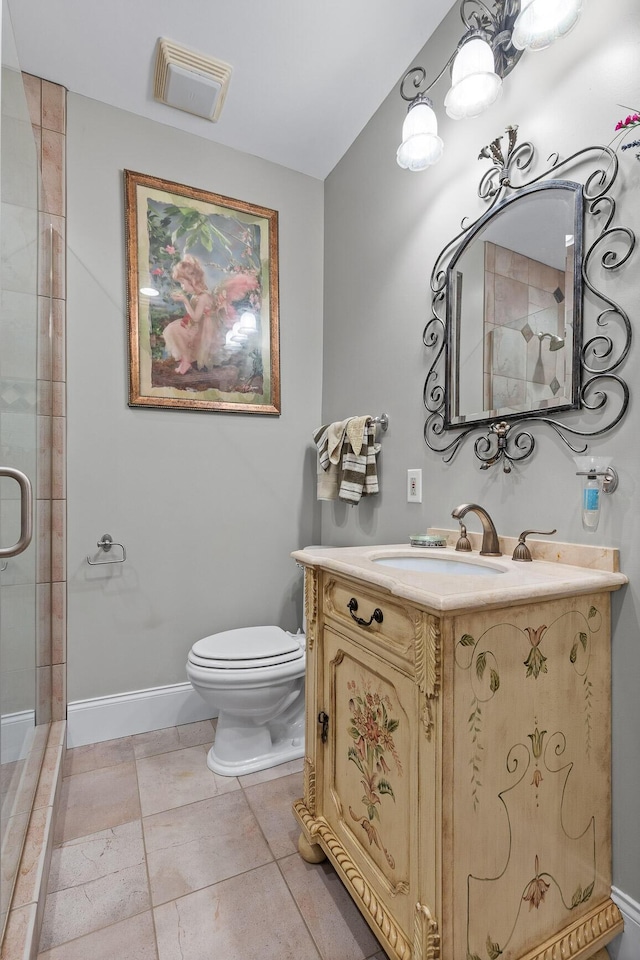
(105, 544)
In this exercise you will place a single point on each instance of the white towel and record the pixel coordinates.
(357, 433)
(335, 439)
(328, 472)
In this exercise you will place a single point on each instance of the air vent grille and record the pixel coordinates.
(190, 81)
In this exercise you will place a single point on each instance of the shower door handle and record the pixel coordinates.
(26, 511)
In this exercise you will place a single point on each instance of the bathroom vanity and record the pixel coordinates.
(457, 768)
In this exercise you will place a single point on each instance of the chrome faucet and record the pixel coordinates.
(490, 544)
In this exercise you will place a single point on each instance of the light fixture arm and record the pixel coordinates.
(504, 10)
(418, 76)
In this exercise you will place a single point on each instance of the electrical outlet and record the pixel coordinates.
(414, 486)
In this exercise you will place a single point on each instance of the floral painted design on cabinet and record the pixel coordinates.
(537, 805)
(371, 727)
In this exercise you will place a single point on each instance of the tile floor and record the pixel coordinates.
(158, 858)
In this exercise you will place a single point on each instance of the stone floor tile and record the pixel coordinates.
(173, 738)
(89, 858)
(174, 779)
(272, 773)
(193, 846)
(271, 803)
(93, 756)
(97, 800)
(337, 926)
(131, 939)
(243, 918)
(80, 910)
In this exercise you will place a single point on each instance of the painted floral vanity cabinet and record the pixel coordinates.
(457, 769)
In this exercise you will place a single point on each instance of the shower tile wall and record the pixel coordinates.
(47, 107)
(523, 298)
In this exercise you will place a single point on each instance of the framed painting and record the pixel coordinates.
(202, 296)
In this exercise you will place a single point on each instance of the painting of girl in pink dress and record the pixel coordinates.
(209, 332)
(199, 336)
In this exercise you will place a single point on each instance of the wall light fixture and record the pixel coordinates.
(497, 32)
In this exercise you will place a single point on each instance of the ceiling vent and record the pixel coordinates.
(189, 81)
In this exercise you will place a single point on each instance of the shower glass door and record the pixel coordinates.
(23, 419)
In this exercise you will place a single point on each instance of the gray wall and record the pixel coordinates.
(209, 506)
(383, 229)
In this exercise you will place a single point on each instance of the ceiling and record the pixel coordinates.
(307, 76)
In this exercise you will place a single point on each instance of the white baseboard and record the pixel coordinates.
(140, 711)
(16, 733)
(627, 945)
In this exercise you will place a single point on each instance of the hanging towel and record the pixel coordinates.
(359, 472)
(347, 451)
(356, 432)
(335, 439)
(329, 440)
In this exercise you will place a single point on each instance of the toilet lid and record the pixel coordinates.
(248, 647)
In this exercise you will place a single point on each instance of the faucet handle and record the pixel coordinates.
(463, 543)
(522, 551)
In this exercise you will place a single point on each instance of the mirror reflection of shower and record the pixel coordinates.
(555, 342)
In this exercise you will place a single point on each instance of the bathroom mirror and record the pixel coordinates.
(509, 339)
(514, 293)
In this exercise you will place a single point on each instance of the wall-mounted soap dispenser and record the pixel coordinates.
(599, 477)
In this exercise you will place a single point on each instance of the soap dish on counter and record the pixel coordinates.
(424, 540)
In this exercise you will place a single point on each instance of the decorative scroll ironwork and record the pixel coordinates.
(601, 355)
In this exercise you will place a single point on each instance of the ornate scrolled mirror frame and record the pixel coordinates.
(595, 388)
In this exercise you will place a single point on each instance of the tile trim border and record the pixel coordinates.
(22, 932)
(138, 711)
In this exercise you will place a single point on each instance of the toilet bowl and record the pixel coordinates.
(254, 677)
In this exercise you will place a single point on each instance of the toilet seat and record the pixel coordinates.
(248, 648)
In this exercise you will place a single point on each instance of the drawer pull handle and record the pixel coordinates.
(376, 615)
(323, 718)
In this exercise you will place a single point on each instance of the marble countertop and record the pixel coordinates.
(593, 570)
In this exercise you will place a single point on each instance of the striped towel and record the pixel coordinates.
(359, 473)
(347, 452)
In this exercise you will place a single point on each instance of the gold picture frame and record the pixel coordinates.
(202, 299)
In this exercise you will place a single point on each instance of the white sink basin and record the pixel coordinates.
(439, 565)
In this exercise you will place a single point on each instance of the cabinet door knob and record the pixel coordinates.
(376, 615)
(323, 718)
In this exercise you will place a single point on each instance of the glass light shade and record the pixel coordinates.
(540, 22)
(421, 146)
(474, 83)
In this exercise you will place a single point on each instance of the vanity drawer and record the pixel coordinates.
(384, 621)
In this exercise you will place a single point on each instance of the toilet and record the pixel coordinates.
(254, 677)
